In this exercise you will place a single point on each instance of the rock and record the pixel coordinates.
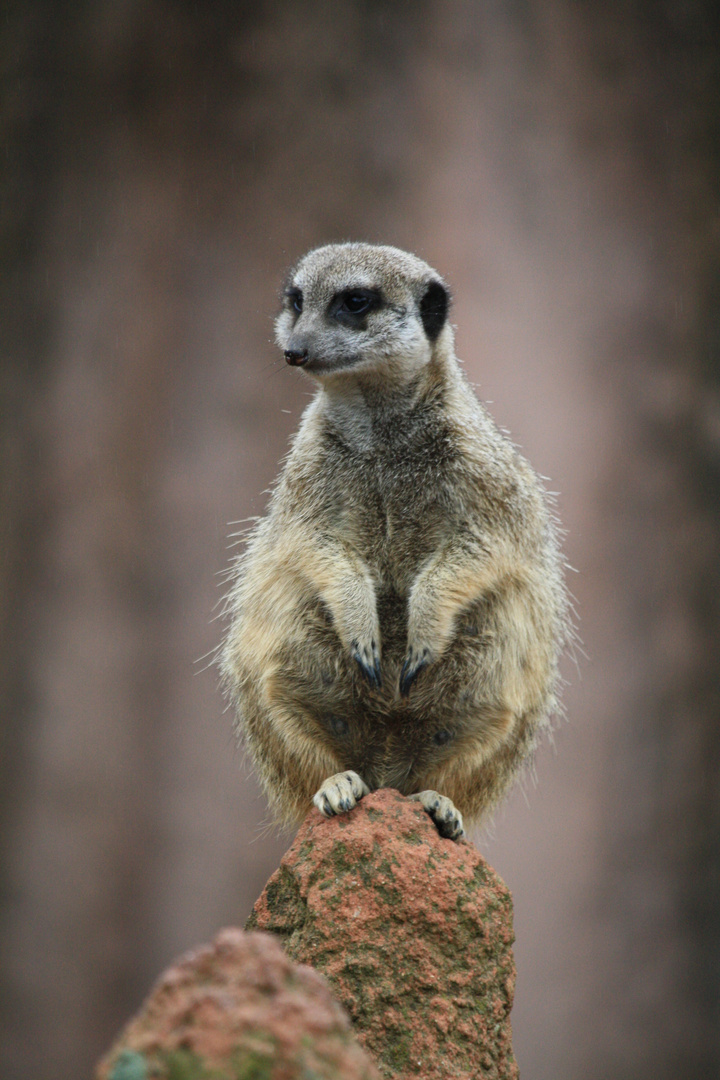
(238, 1009)
(413, 932)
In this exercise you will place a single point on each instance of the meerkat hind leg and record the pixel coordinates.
(444, 813)
(340, 793)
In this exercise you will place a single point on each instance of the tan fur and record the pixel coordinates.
(405, 535)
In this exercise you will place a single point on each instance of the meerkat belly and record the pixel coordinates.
(393, 754)
(387, 748)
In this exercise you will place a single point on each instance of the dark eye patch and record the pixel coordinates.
(351, 306)
(441, 738)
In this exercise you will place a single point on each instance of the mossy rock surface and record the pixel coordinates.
(413, 932)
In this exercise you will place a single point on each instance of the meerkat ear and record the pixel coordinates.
(434, 308)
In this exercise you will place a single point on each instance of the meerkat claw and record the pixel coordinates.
(448, 819)
(340, 793)
(368, 660)
(414, 663)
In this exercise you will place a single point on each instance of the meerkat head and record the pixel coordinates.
(351, 308)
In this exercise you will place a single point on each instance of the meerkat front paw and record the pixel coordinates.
(444, 813)
(367, 658)
(340, 793)
(417, 660)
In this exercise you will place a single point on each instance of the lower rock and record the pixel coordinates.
(238, 1009)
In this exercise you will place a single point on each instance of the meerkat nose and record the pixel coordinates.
(295, 357)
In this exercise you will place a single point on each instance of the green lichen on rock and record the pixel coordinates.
(283, 898)
(129, 1065)
(183, 1064)
(396, 1056)
(413, 932)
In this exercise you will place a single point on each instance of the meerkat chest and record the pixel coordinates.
(395, 499)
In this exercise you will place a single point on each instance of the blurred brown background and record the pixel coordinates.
(164, 162)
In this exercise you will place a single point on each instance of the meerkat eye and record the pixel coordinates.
(354, 303)
(295, 297)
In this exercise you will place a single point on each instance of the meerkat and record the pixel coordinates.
(396, 618)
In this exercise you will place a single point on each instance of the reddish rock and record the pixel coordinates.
(238, 1009)
(413, 932)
